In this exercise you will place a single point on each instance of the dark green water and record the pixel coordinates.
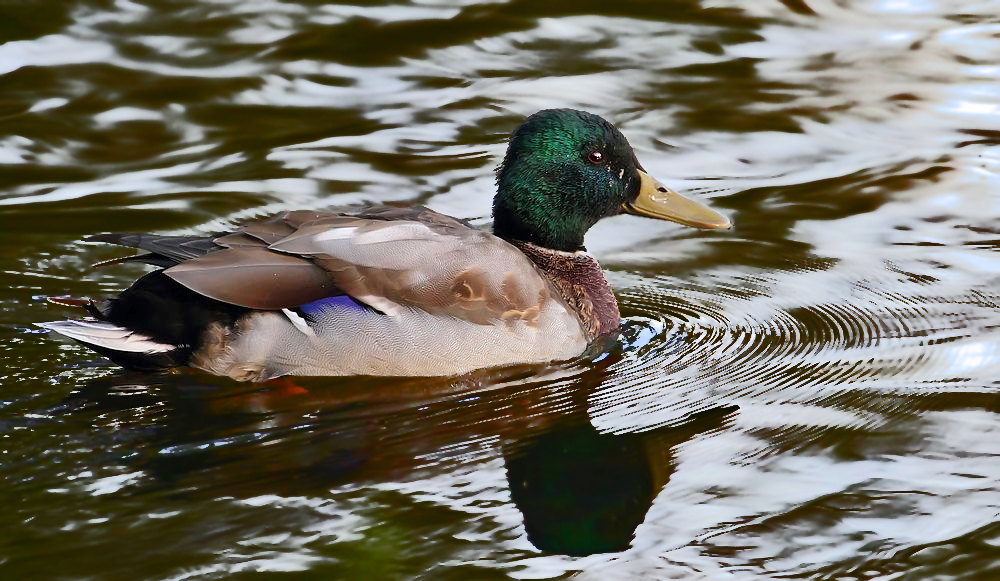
(813, 394)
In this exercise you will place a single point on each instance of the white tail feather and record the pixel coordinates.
(107, 335)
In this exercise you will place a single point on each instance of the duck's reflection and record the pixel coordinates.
(580, 491)
(583, 492)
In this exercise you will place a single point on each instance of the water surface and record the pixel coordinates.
(812, 395)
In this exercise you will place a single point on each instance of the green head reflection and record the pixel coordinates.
(582, 492)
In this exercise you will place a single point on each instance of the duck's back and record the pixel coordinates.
(390, 291)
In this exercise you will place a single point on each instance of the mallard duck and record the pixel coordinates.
(394, 291)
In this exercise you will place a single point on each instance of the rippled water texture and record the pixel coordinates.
(810, 395)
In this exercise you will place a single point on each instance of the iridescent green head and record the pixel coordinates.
(565, 170)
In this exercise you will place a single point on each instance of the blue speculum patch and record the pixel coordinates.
(339, 301)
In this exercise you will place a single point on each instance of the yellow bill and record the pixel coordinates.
(656, 200)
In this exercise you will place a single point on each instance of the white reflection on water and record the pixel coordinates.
(51, 51)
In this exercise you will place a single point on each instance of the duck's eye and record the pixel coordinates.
(595, 157)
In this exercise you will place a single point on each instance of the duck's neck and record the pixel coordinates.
(581, 283)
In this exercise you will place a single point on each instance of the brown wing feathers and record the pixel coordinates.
(388, 258)
(254, 277)
(439, 265)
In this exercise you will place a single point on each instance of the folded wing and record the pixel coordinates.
(391, 259)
